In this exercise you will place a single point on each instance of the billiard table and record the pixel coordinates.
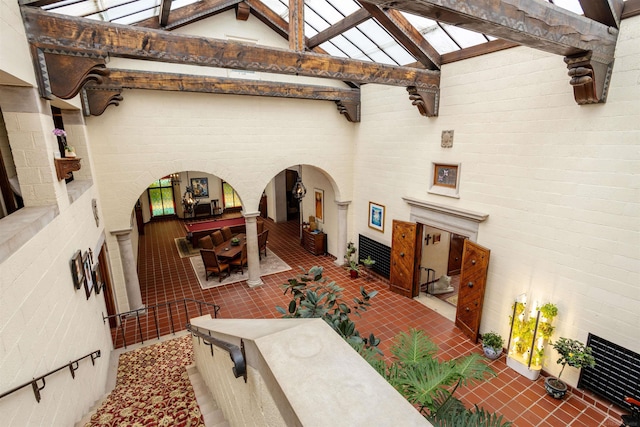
(198, 229)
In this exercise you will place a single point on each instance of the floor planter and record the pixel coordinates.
(491, 353)
(354, 274)
(522, 369)
(555, 388)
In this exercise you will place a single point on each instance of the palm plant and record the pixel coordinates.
(430, 384)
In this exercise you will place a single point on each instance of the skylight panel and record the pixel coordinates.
(278, 7)
(345, 7)
(315, 21)
(332, 50)
(464, 38)
(346, 46)
(440, 40)
(323, 9)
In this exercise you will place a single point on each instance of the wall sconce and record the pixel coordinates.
(175, 178)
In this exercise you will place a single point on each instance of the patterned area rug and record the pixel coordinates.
(152, 389)
(185, 249)
(270, 264)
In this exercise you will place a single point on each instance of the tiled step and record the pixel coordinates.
(211, 413)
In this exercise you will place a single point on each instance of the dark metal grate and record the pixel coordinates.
(380, 253)
(616, 374)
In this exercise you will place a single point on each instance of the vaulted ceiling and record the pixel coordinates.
(399, 43)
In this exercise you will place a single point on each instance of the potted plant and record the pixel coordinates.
(573, 353)
(354, 269)
(492, 344)
(368, 262)
(235, 241)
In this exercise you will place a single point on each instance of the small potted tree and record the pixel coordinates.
(492, 344)
(351, 260)
(572, 353)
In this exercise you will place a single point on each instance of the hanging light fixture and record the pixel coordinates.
(299, 190)
(188, 201)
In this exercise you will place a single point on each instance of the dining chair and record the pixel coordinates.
(217, 238)
(226, 233)
(212, 265)
(262, 243)
(241, 260)
(206, 243)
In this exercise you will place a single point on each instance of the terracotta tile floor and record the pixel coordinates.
(164, 276)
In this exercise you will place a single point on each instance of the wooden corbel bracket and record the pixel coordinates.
(63, 73)
(350, 109)
(66, 165)
(425, 99)
(242, 11)
(96, 99)
(590, 78)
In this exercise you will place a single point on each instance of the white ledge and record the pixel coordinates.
(19, 227)
(448, 210)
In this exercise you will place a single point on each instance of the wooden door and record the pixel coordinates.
(456, 244)
(473, 278)
(105, 272)
(406, 251)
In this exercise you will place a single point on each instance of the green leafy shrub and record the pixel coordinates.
(315, 296)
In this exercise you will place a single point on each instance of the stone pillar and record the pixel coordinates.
(253, 258)
(343, 208)
(129, 269)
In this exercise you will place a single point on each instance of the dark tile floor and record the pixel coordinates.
(165, 277)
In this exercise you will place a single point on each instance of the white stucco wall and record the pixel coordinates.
(559, 181)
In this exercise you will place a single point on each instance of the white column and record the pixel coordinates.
(253, 258)
(129, 269)
(343, 208)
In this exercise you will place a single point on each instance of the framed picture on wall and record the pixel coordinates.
(376, 216)
(445, 175)
(319, 198)
(88, 275)
(200, 187)
(77, 270)
(445, 179)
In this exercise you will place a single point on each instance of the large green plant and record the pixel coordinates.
(315, 296)
(425, 381)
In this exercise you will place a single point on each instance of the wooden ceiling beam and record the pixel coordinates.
(296, 25)
(147, 80)
(189, 14)
(353, 20)
(47, 30)
(163, 16)
(405, 34)
(538, 25)
(269, 18)
(607, 12)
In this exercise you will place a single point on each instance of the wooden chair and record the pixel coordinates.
(240, 261)
(206, 243)
(262, 243)
(212, 265)
(217, 238)
(226, 233)
(260, 226)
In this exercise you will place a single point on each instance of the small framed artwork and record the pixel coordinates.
(200, 187)
(77, 270)
(319, 198)
(97, 277)
(445, 179)
(376, 216)
(445, 175)
(88, 275)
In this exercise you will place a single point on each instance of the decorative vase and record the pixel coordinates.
(491, 353)
(555, 388)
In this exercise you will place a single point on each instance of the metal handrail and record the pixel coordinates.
(236, 353)
(73, 366)
(143, 311)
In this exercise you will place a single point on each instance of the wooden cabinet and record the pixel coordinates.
(315, 243)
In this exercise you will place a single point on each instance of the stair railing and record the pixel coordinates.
(236, 353)
(73, 367)
(122, 317)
